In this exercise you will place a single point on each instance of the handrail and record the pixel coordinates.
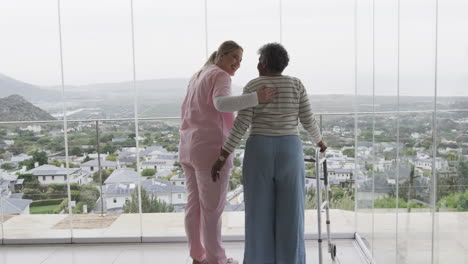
(177, 118)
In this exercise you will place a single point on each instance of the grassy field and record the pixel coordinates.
(48, 209)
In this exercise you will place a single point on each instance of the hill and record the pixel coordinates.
(16, 108)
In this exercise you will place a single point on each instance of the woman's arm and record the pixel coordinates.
(240, 127)
(229, 104)
(307, 117)
(241, 124)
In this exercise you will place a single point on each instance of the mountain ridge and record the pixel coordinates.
(16, 108)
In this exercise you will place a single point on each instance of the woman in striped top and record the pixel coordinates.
(273, 168)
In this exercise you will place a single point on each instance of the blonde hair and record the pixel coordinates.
(224, 48)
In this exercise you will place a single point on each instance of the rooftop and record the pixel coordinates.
(48, 170)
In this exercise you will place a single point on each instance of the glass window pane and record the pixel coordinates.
(170, 48)
(34, 188)
(30, 60)
(97, 55)
(319, 36)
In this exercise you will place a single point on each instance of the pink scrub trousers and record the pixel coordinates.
(205, 205)
(202, 135)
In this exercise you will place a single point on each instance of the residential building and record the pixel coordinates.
(47, 174)
(92, 166)
(178, 180)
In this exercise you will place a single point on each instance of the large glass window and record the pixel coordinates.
(451, 144)
(380, 81)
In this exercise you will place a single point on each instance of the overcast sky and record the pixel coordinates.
(170, 41)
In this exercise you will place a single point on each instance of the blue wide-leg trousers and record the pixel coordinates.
(273, 178)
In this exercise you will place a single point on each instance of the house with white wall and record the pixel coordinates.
(118, 188)
(47, 174)
(338, 176)
(92, 166)
(122, 183)
(178, 180)
(426, 163)
(166, 191)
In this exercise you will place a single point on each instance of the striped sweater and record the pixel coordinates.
(279, 118)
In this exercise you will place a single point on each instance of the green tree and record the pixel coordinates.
(177, 164)
(340, 198)
(17, 148)
(367, 135)
(108, 148)
(89, 195)
(105, 138)
(105, 175)
(92, 141)
(309, 152)
(236, 178)
(39, 157)
(458, 201)
(390, 202)
(30, 181)
(56, 146)
(389, 155)
(44, 141)
(148, 204)
(426, 143)
(76, 151)
(112, 157)
(447, 184)
(237, 162)
(310, 198)
(462, 172)
(7, 166)
(409, 143)
(452, 156)
(148, 139)
(148, 172)
(349, 152)
(410, 152)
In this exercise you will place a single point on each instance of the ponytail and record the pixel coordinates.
(211, 60)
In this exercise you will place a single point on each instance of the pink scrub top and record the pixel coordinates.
(204, 129)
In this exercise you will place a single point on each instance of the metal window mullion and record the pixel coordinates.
(206, 29)
(281, 21)
(135, 107)
(64, 110)
(434, 135)
(397, 253)
(355, 116)
(373, 126)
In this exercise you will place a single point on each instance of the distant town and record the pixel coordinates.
(103, 177)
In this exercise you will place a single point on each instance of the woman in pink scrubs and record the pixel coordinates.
(207, 119)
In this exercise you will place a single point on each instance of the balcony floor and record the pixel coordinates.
(146, 253)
